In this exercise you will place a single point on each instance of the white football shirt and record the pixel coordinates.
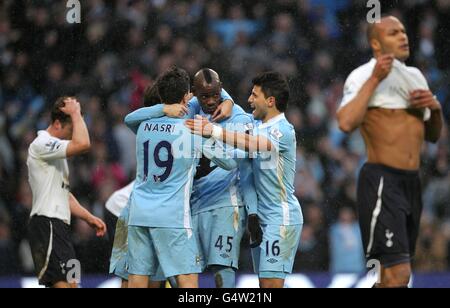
(48, 175)
(393, 92)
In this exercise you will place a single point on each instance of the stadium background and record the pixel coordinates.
(121, 46)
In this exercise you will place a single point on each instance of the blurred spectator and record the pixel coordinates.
(432, 248)
(8, 257)
(347, 253)
(313, 250)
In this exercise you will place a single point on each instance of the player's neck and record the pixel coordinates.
(271, 115)
(51, 130)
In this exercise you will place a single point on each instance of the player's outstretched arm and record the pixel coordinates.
(245, 142)
(134, 119)
(220, 156)
(79, 211)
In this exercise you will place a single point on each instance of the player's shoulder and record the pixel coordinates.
(281, 129)
(415, 71)
(240, 116)
(362, 72)
(286, 127)
(44, 141)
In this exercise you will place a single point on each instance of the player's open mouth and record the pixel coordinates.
(405, 47)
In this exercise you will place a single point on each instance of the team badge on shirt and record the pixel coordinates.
(276, 134)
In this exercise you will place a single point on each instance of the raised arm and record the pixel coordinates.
(80, 142)
(356, 100)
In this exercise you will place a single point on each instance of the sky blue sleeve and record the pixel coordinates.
(218, 154)
(247, 186)
(247, 180)
(225, 96)
(282, 137)
(134, 119)
(194, 108)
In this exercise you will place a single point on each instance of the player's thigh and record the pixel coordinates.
(177, 251)
(119, 255)
(274, 258)
(226, 227)
(142, 255)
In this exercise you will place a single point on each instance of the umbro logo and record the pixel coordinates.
(272, 261)
(225, 256)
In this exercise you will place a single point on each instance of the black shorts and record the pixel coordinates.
(390, 208)
(51, 248)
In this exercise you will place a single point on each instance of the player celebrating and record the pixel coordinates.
(118, 205)
(395, 110)
(53, 204)
(274, 146)
(218, 198)
(160, 202)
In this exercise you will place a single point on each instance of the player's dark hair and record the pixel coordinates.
(207, 74)
(151, 95)
(57, 114)
(173, 86)
(273, 84)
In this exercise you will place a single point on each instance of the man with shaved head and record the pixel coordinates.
(396, 112)
(222, 200)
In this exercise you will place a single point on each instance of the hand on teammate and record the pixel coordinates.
(224, 111)
(383, 67)
(200, 126)
(421, 99)
(175, 111)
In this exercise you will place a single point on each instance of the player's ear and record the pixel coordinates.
(271, 101)
(57, 124)
(375, 44)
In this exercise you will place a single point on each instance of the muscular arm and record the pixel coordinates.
(351, 116)
(433, 127)
(236, 139)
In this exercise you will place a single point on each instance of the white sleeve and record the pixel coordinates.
(351, 89)
(118, 201)
(50, 149)
(420, 80)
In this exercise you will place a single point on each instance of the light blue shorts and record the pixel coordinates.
(175, 251)
(275, 257)
(219, 233)
(118, 263)
(119, 256)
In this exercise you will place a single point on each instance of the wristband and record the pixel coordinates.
(217, 132)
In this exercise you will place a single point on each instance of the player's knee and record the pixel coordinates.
(225, 277)
(187, 281)
(271, 283)
(397, 277)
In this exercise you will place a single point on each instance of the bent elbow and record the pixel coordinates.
(346, 127)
